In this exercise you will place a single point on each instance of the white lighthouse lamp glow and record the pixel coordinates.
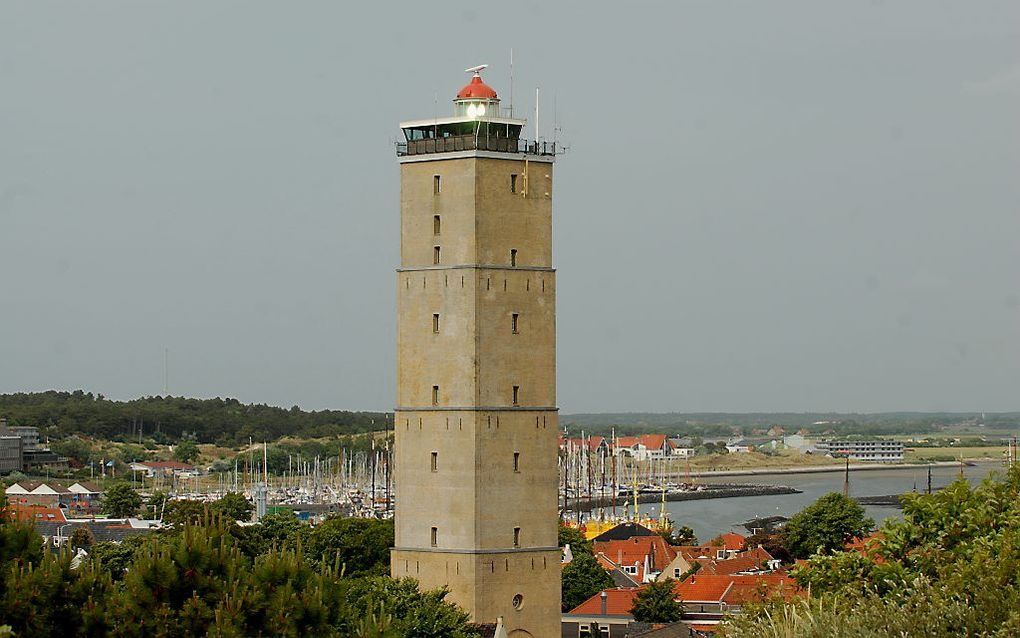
(477, 99)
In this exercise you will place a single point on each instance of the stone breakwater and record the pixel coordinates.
(715, 490)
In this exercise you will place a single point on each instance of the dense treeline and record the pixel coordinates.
(215, 578)
(725, 424)
(223, 421)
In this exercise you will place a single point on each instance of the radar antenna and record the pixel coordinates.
(477, 69)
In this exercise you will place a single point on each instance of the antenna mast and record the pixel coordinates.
(511, 82)
(536, 115)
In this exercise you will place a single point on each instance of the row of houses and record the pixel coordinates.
(80, 498)
(55, 525)
(711, 580)
(642, 447)
(651, 447)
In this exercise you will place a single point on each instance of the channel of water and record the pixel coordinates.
(709, 518)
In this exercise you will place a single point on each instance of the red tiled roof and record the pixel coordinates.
(864, 545)
(761, 587)
(591, 442)
(619, 602)
(650, 441)
(635, 549)
(32, 513)
(735, 590)
(730, 540)
(750, 560)
(703, 588)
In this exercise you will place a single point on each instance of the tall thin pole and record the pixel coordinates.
(929, 478)
(166, 354)
(511, 82)
(846, 479)
(616, 482)
(536, 119)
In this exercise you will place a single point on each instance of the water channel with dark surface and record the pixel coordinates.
(709, 518)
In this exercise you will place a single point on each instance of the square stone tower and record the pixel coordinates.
(475, 423)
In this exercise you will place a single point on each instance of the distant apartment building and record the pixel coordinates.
(10, 452)
(29, 436)
(864, 450)
(20, 450)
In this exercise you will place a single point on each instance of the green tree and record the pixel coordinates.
(582, 578)
(360, 545)
(280, 530)
(657, 603)
(186, 451)
(774, 544)
(679, 535)
(181, 512)
(82, 538)
(234, 506)
(121, 501)
(156, 504)
(825, 526)
(115, 558)
(404, 610)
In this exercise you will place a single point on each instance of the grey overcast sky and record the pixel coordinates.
(782, 205)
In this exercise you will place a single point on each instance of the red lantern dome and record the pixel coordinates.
(477, 90)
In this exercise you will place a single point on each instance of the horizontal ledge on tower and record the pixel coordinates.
(475, 267)
(508, 550)
(449, 155)
(479, 408)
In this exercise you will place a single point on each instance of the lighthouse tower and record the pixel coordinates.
(475, 423)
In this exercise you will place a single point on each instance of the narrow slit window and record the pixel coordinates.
(434, 536)
(435, 254)
(435, 185)
(517, 393)
(517, 461)
(435, 323)
(517, 536)
(513, 183)
(436, 225)
(435, 462)
(514, 322)
(435, 395)
(513, 256)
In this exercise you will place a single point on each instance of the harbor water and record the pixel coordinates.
(709, 518)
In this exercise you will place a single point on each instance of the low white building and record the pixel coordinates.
(880, 450)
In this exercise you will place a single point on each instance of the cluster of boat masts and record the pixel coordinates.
(594, 485)
(355, 482)
(599, 489)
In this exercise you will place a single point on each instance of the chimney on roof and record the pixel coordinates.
(605, 607)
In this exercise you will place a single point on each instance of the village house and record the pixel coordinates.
(38, 493)
(644, 447)
(707, 599)
(641, 558)
(682, 447)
